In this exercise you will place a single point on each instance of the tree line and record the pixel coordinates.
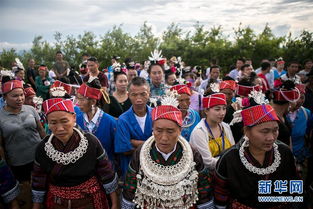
(199, 46)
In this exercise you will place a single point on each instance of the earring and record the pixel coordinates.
(246, 138)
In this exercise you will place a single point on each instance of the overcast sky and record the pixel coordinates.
(22, 20)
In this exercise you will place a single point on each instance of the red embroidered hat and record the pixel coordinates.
(181, 89)
(29, 92)
(67, 87)
(10, 85)
(167, 112)
(258, 114)
(287, 95)
(230, 84)
(245, 90)
(57, 104)
(213, 100)
(89, 92)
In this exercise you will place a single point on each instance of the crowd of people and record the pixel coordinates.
(156, 135)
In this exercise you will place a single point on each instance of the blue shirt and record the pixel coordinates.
(128, 128)
(277, 74)
(104, 130)
(190, 121)
(299, 130)
(157, 91)
(2, 103)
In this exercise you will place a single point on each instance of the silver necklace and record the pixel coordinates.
(70, 157)
(260, 171)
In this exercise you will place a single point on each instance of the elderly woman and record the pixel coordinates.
(212, 136)
(71, 168)
(166, 172)
(92, 119)
(256, 159)
(190, 117)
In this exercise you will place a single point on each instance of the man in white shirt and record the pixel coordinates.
(235, 72)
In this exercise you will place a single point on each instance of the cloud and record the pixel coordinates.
(17, 46)
(22, 20)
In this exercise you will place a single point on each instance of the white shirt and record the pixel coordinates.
(199, 140)
(52, 74)
(166, 156)
(141, 121)
(91, 124)
(296, 79)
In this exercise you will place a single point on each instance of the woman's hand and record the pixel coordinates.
(114, 200)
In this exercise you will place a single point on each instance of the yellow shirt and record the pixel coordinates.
(216, 144)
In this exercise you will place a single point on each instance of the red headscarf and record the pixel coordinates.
(258, 114)
(10, 85)
(29, 92)
(181, 89)
(168, 112)
(229, 84)
(89, 92)
(57, 104)
(67, 87)
(214, 100)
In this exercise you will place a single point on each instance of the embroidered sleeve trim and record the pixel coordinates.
(12, 194)
(38, 196)
(112, 186)
(127, 204)
(207, 205)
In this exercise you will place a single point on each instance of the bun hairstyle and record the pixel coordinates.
(155, 64)
(116, 74)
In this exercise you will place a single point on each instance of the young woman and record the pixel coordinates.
(258, 157)
(156, 75)
(71, 169)
(20, 133)
(121, 93)
(91, 118)
(20, 75)
(20, 130)
(212, 136)
(43, 82)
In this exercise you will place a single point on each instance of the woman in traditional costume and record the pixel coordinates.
(190, 117)
(165, 172)
(94, 120)
(285, 94)
(71, 168)
(212, 136)
(257, 157)
(9, 188)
